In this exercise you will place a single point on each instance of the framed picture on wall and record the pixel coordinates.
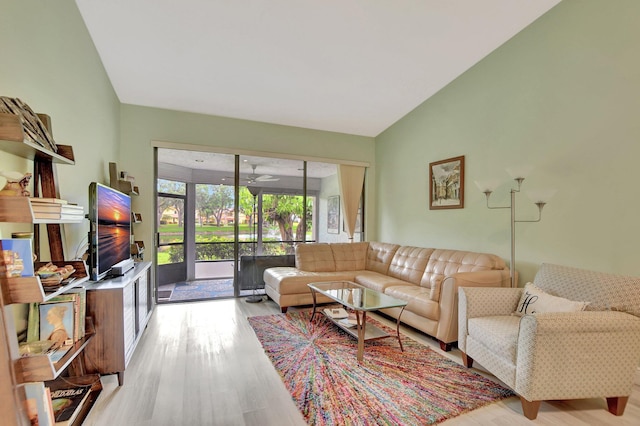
(446, 184)
(333, 214)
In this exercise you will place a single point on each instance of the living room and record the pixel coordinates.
(560, 96)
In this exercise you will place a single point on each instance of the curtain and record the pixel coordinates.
(351, 180)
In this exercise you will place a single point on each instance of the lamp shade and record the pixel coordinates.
(489, 185)
(519, 172)
(541, 195)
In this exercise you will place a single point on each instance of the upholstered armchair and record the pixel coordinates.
(573, 334)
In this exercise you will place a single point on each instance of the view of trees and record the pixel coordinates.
(215, 220)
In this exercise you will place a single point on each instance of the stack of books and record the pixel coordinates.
(57, 402)
(54, 208)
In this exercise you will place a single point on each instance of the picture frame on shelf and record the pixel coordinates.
(446, 184)
(333, 214)
(16, 258)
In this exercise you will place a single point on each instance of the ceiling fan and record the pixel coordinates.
(253, 177)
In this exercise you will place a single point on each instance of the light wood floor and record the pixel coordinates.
(201, 364)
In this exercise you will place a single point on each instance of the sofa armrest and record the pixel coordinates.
(448, 324)
(476, 302)
(571, 355)
(486, 302)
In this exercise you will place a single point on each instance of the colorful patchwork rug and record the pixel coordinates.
(317, 363)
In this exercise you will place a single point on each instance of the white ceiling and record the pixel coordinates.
(346, 66)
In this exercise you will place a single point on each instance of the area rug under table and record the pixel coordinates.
(317, 363)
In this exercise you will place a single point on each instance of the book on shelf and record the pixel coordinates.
(336, 313)
(44, 347)
(59, 215)
(67, 400)
(349, 322)
(47, 200)
(56, 208)
(57, 322)
(65, 322)
(16, 258)
(38, 404)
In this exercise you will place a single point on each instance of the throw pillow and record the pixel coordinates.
(535, 300)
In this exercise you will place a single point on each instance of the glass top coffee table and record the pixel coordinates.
(361, 300)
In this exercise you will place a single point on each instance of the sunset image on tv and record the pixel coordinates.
(114, 227)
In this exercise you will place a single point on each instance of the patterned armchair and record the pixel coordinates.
(550, 355)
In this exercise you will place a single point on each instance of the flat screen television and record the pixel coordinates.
(110, 229)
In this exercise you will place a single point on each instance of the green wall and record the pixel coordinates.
(563, 96)
(49, 61)
(141, 126)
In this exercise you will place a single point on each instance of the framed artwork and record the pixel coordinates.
(56, 322)
(333, 214)
(446, 184)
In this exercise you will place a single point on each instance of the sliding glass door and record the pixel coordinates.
(170, 234)
(218, 212)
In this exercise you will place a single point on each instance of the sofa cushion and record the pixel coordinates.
(418, 300)
(535, 300)
(288, 280)
(409, 263)
(447, 262)
(499, 333)
(376, 281)
(379, 256)
(315, 257)
(350, 256)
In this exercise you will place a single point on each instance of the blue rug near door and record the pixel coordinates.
(202, 290)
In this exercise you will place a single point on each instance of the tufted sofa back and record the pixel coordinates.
(350, 256)
(315, 257)
(409, 263)
(446, 262)
(379, 256)
(426, 267)
(603, 291)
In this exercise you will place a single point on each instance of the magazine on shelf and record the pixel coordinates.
(67, 401)
(16, 258)
(336, 313)
(44, 347)
(348, 322)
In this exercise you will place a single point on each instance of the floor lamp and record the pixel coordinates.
(255, 297)
(539, 197)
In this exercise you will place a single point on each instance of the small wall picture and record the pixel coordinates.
(333, 214)
(446, 184)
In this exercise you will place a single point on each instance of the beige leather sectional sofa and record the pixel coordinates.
(427, 278)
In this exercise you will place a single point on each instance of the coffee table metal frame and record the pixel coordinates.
(361, 300)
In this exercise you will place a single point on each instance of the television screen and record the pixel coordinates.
(110, 233)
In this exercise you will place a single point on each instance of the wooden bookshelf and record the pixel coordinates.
(19, 210)
(39, 368)
(14, 369)
(29, 289)
(88, 379)
(125, 186)
(13, 140)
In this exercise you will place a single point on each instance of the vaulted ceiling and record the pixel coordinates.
(353, 66)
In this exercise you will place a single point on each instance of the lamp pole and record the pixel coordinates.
(487, 189)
